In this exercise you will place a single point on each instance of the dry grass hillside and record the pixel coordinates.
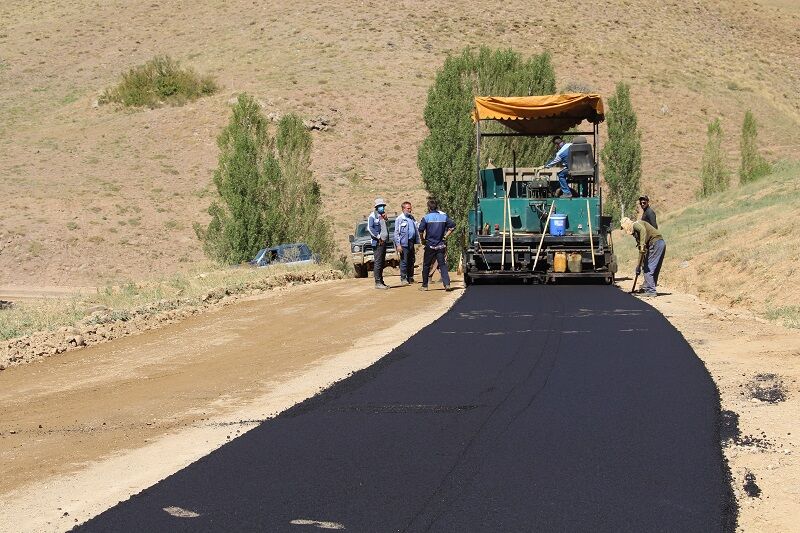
(735, 248)
(94, 195)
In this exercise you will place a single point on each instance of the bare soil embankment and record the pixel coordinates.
(102, 323)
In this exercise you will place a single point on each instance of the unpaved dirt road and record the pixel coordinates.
(83, 430)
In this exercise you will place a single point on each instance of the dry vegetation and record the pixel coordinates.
(96, 195)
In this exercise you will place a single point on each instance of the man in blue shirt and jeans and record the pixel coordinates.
(405, 237)
(435, 227)
(561, 158)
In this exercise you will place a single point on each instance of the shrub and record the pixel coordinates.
(753, 165)
(622, 154)
(265, 198)
(714, 176)
(159, 81)
(446, 157)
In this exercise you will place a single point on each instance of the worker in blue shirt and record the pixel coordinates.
(435, 227)
(561, 158)
(405, 237)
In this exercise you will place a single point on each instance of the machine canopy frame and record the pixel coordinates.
(532, 115)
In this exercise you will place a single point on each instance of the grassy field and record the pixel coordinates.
(737, 247)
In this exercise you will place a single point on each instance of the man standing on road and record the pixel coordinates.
(648, 215)
(651, 252)
(561, 158)
(405, 237)
(376, 225)
(435, 227)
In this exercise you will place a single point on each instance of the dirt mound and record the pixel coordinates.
(105, 324)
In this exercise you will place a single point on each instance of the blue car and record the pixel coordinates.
(285, 254)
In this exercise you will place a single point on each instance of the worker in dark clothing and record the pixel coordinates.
(651, 251)
(434, 228)
(648, 215)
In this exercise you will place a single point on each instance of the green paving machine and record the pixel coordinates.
(523, 224)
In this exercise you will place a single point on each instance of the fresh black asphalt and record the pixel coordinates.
(524, 408)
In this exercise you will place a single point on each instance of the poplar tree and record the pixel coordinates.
(622, 154)
(714, 175)
(446, 157)
(266, 197)
(753, 165)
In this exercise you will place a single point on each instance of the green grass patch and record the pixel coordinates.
(160, 81)
(789, 315)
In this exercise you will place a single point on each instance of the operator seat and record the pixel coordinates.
(581, 164)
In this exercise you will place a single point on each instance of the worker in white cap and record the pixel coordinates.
(651, 252)
(379, 230)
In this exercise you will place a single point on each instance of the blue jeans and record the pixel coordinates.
(652, 265)
(441, 259)
(562, 180)
(407, 263)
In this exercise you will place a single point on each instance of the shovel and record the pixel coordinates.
(638, 269)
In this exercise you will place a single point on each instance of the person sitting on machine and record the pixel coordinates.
(561, 159)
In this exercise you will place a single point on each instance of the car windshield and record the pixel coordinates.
(361, 230)
(297, 252)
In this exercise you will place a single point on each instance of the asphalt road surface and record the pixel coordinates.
(524, 408)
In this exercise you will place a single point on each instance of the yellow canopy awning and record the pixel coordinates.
(554, 113)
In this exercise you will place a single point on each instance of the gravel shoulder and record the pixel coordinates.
(87, 429)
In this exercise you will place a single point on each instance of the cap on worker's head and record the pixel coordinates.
(627, 225)
(645, 198)
(379, 201)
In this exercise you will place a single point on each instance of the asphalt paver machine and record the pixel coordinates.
(523, 226)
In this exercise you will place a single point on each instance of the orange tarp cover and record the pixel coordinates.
(553, 113)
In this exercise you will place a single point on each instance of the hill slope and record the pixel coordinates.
(95, 195)
(737, 247)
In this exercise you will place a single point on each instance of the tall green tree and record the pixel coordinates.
(714, 175)
(266, 197)
(622, 154)
(753, 165)
(446, 158)
(302, 198)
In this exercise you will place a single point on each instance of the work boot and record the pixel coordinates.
(403, 282)
(423, 287)
(448, 288)
(381, 286)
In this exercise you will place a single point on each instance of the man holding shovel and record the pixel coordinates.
(651, 252)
